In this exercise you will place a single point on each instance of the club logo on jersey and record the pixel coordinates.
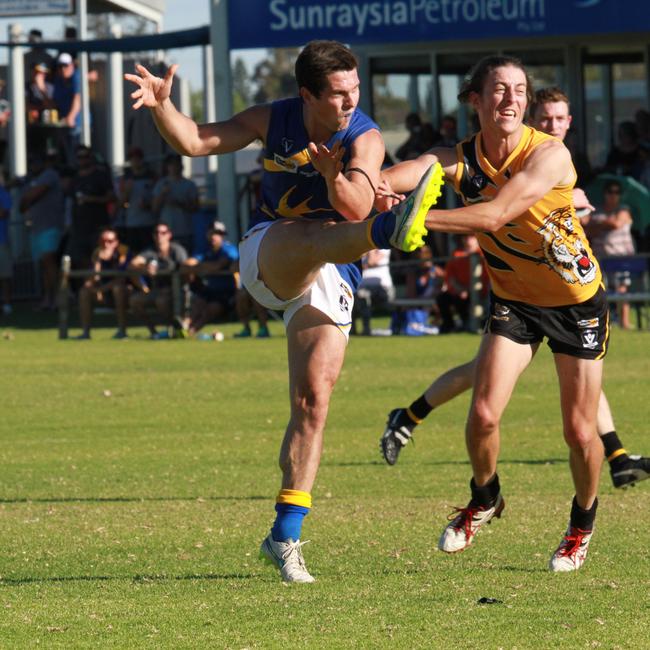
(288, 164)
(589, 339)
(563, 249)
(588, 323)
(286, 144)
(479, 181)
(501, 312)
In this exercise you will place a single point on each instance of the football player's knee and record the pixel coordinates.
(579, 437)
(483, 420)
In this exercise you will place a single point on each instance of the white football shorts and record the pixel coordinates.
(329, 293)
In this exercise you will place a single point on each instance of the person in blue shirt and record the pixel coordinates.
(67, 99)
(213, 283)
(322, 160)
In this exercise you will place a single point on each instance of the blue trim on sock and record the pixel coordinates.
(288, 522)
(382, 228)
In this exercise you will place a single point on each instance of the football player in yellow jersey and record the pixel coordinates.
(549, 113)
(516, 185)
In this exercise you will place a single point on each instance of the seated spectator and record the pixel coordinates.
(376, 288)
(246, 305)
(454, 299)
(212, 279)
(42, 204)
(135, 196)
(609, 229)
(175, 200)
(156, 291)
(6, 260)
(109, 255)
(92, 192)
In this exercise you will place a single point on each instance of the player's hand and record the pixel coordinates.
(327, 161)
(385, 198)
(580, 200)
(152, 91)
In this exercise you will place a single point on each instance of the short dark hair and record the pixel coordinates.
(319, 59)
(475, 78)
(549, 95)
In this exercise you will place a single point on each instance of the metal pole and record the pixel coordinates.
(226, 178)
(115, 105)
(82, 29)
(185, 107)
(209, 114)
(17, 135)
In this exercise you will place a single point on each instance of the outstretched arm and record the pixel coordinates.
(548, 166)
(184, 134)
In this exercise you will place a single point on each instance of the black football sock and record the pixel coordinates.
(486, 495)
(581, 518)
(419, 410)
(614, 450)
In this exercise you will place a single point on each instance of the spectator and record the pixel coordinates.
(165, 255)
(67, 98)
(39, 93)
(376, 288)
(37, 54)
(246, 304)
(6, 261)
(109, 255)
(175, 200)
(624, 159)
(412, 147)
(448, 131)
(213, 290)
(135, 195)
(455, 294)
(42, 204)
(92, 191)
(642, 121)
(609, 230)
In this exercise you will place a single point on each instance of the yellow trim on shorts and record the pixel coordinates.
(294, 498)
(616, 454)
(600, 356)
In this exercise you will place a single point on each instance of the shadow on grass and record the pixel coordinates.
(11, 582)
(130, 499)
(512, 461)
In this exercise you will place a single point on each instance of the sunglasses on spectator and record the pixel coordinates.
(162, 232)
(109, 240)
(612, 191)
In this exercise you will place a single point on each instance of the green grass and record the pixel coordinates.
(132, 518)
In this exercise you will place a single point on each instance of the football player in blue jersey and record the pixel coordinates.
(322, 159)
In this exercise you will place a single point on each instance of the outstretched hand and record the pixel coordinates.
(152, 91)
(327, 161)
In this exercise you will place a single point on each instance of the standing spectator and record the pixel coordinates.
(376, 288)
(39, 92)
(42, 205)
(454, 296)
(624, 159)
(6, 261)
(92, 191)
(37, 54)
(213, 291)
(109, 255)
(135, 195)
(412, 146)
(175, 201)
(609, 230)
(165, 255)
(67, 98)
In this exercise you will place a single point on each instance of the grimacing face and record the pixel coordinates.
(552, 118)
(502, 103)
(337, 101)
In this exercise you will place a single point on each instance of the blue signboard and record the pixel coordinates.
(281, 23)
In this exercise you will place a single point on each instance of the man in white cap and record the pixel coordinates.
(67, 98)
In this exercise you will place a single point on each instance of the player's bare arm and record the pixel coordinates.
(351, 193)
(184, 134)
(549, 165)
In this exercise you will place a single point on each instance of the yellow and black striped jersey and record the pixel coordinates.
(542, 257)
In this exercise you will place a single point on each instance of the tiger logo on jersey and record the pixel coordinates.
(564, 250)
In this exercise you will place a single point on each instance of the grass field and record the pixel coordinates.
(137, 481)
